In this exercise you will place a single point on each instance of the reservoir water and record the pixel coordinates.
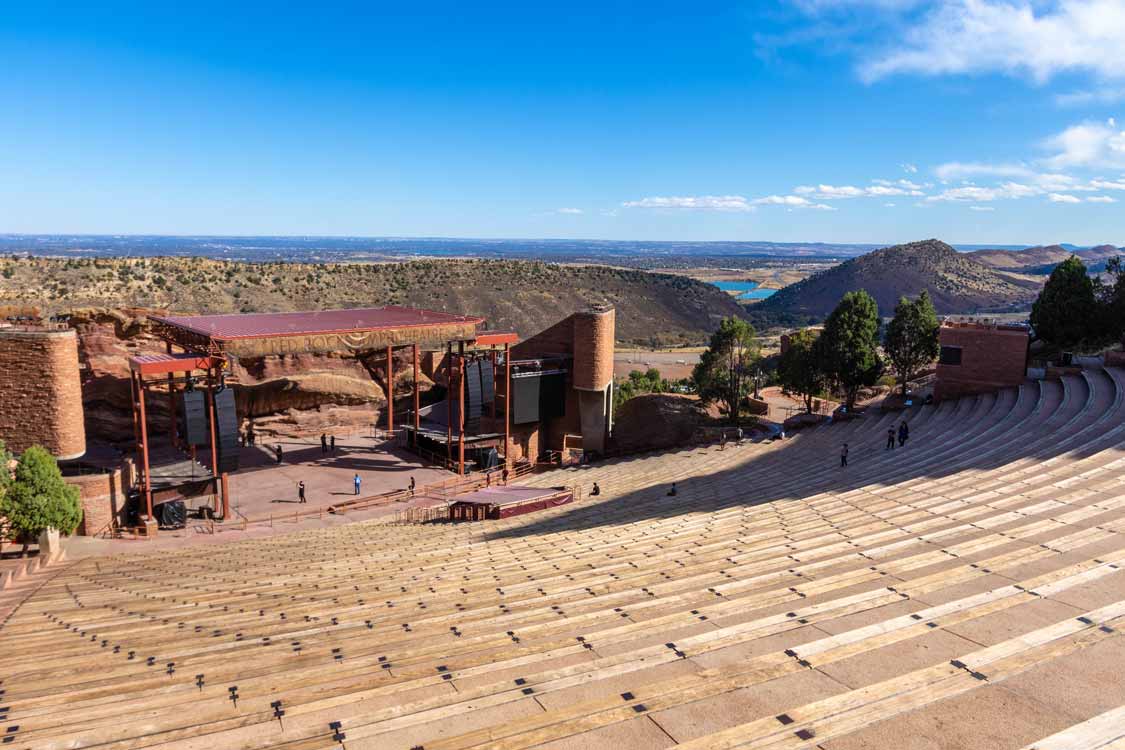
(746, 289)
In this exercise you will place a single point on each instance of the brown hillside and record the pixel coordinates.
(1041, 255)
(521, 295)
(956, 283)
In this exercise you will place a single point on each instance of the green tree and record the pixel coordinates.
(800, 369)
(37, 498)
(1066, 312)
(911, 342)
(724, 371)
(850, 345)
(1112, 300)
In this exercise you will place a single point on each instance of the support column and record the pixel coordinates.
(449, 405)
(144, 447)
(390, 389)
(417, 398)
(507, 405)
(461, 408)
(172, 403)
(220, 491)
(492, 406)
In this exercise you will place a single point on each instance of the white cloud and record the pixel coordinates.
(694, 203)
(982, 208)
(793, 201)
(909, 168)
(1100, 95)
(1108, 184)
(1101, 199)
(1089, 144)
(977, 193)
(841, 192)
(888, 205)
(1063, 198)
(573, 211)
(956, 170)
(1009, 36)
(900, 183)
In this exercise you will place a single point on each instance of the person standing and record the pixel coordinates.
(723, 440)
(356, 481)
(250, 434)
(903, 434)
(844, 456)
(277, 452)
(323, 443)
(412, 486)
(333, 444)
(301, 492)
(890, 438)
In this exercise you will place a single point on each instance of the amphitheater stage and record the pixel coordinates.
(494, 503)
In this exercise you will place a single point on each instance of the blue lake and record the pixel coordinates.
(746, 289)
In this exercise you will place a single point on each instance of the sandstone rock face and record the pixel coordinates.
(284, 395)
(655, 420)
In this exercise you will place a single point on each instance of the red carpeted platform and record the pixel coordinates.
(494, 503)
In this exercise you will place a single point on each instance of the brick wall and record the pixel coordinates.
(103, 499)
(992, 357)
(594, 333)
(40, 392)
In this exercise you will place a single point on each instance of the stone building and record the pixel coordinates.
(980, 356)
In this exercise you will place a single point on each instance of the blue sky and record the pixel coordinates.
(976, 121)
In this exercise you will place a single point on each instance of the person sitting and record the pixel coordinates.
(596, 490)
(672, 491)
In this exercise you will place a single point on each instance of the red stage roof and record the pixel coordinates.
(264, 325)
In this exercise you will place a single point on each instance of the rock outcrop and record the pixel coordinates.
(286, 395)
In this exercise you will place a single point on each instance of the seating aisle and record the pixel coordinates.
(965, 590)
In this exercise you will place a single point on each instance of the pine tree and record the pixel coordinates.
(912, 337)
(801, 369)
(723, 372)
(1066, 313)
(851, 344)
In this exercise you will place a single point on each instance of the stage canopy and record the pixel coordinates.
(324, 331)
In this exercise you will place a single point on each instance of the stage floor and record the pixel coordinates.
(262, 486)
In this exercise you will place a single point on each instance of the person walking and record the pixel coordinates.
(333, 443)
(277, 452)
(903, 434)
(250, 434)
(739, 433)
(890, 438)
(301, 492)
(412, 486)
(357, 482)
(723, 440)
(844, 456)
(323, 443)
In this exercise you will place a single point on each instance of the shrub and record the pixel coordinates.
(37, 498)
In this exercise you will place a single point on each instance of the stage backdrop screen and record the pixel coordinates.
(538, 397)
(525, 400)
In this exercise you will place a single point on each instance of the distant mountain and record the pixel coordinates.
(1034, 259)
(956, 282)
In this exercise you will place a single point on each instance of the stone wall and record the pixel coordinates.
(40, 391)
(992, 357)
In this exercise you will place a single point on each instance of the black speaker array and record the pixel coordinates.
(472, 396)
(487, 384)
(226, 427)
(193, 426)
